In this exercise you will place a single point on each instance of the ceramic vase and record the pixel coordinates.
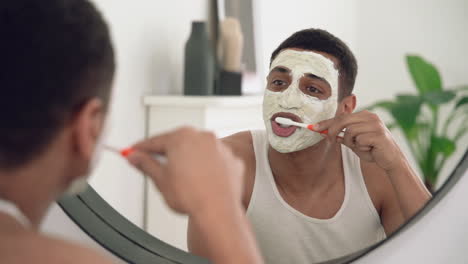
(199, 66)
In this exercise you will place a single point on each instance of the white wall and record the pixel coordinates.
(277, 20)
(150, 35)
(387, 30)
(440, 236)
(149, 38)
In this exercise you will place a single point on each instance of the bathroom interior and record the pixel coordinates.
(155, 43)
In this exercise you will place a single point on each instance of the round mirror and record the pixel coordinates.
(399, 47)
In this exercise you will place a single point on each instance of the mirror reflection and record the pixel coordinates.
(310, 129)
(391, 92)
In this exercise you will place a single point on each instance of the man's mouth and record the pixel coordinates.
(284, 130)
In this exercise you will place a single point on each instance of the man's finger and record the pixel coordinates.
(147, 164)
(337, 124)
(323, 125)
(352, 131)
(161, 143)
(364, 149)
(365, 140)
(156, 144)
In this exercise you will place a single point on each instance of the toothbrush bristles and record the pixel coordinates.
(110, 148)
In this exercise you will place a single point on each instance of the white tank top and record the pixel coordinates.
(12, 210)
(286, 236)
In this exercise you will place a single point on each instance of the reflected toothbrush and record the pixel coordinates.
(289, 122)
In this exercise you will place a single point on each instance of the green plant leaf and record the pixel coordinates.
(438, 97)
(387, 105)
(443, 145)
(405, 111)
(425, 75)
(459, 88)
(462, 101)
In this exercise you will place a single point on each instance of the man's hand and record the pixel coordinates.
(367, 136)
(370, 139)
(203, 179)
(200, 171)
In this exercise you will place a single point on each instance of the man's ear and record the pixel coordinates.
(87, 127)
(346, 105)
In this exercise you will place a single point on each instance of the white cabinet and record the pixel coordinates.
(223, 115)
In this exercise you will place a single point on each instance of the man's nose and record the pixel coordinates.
(291, 97)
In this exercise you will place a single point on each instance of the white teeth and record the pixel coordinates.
(281, 125)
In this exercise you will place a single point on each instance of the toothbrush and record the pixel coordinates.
(289, 122)
(122, 152)
(127, 151)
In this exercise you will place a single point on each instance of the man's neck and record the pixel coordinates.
(31, 188)
(307, 169)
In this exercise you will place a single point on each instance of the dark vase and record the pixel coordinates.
(199, 73)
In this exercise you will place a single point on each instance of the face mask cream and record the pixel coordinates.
(295, 104)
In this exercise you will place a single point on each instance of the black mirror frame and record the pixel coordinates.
(132, 244)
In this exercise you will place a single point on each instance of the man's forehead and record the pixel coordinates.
(302, 62)
(288, 58)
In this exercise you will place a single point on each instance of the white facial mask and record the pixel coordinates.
(292, 100)
(80, 184)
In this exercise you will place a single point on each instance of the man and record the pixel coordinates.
(56, 70)
(313, 196)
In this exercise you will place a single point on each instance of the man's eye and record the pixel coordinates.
(312, 89)
(279, 82)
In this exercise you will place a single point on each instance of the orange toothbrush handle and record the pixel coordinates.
(311, 127)
(126, 152)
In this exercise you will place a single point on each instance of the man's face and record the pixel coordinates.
(302, 86)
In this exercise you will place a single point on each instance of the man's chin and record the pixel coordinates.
(298, 141)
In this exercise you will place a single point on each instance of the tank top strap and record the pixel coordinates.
(12, 210)
(261, 189)
(355, 179)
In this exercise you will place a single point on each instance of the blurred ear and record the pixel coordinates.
(346, 105)
(87, 128)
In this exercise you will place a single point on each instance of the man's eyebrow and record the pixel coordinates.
(280, 69)
(313, 76)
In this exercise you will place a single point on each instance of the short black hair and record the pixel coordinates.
(321, 40)
(55, 55)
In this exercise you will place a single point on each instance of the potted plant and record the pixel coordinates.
(431, 137)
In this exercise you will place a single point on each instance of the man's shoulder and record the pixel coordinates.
(239, 137)
(31, 247)
(241, 143)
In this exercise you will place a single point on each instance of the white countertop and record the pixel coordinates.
(197, 101)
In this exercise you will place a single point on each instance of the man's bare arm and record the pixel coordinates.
(383, 196)
(208, 188)
(227, 231)
(241, 146)
(411, 193)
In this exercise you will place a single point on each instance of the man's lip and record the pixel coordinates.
(284, 131)
(291, 116)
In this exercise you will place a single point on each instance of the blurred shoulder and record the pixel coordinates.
(31, 247)
(241, 143)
